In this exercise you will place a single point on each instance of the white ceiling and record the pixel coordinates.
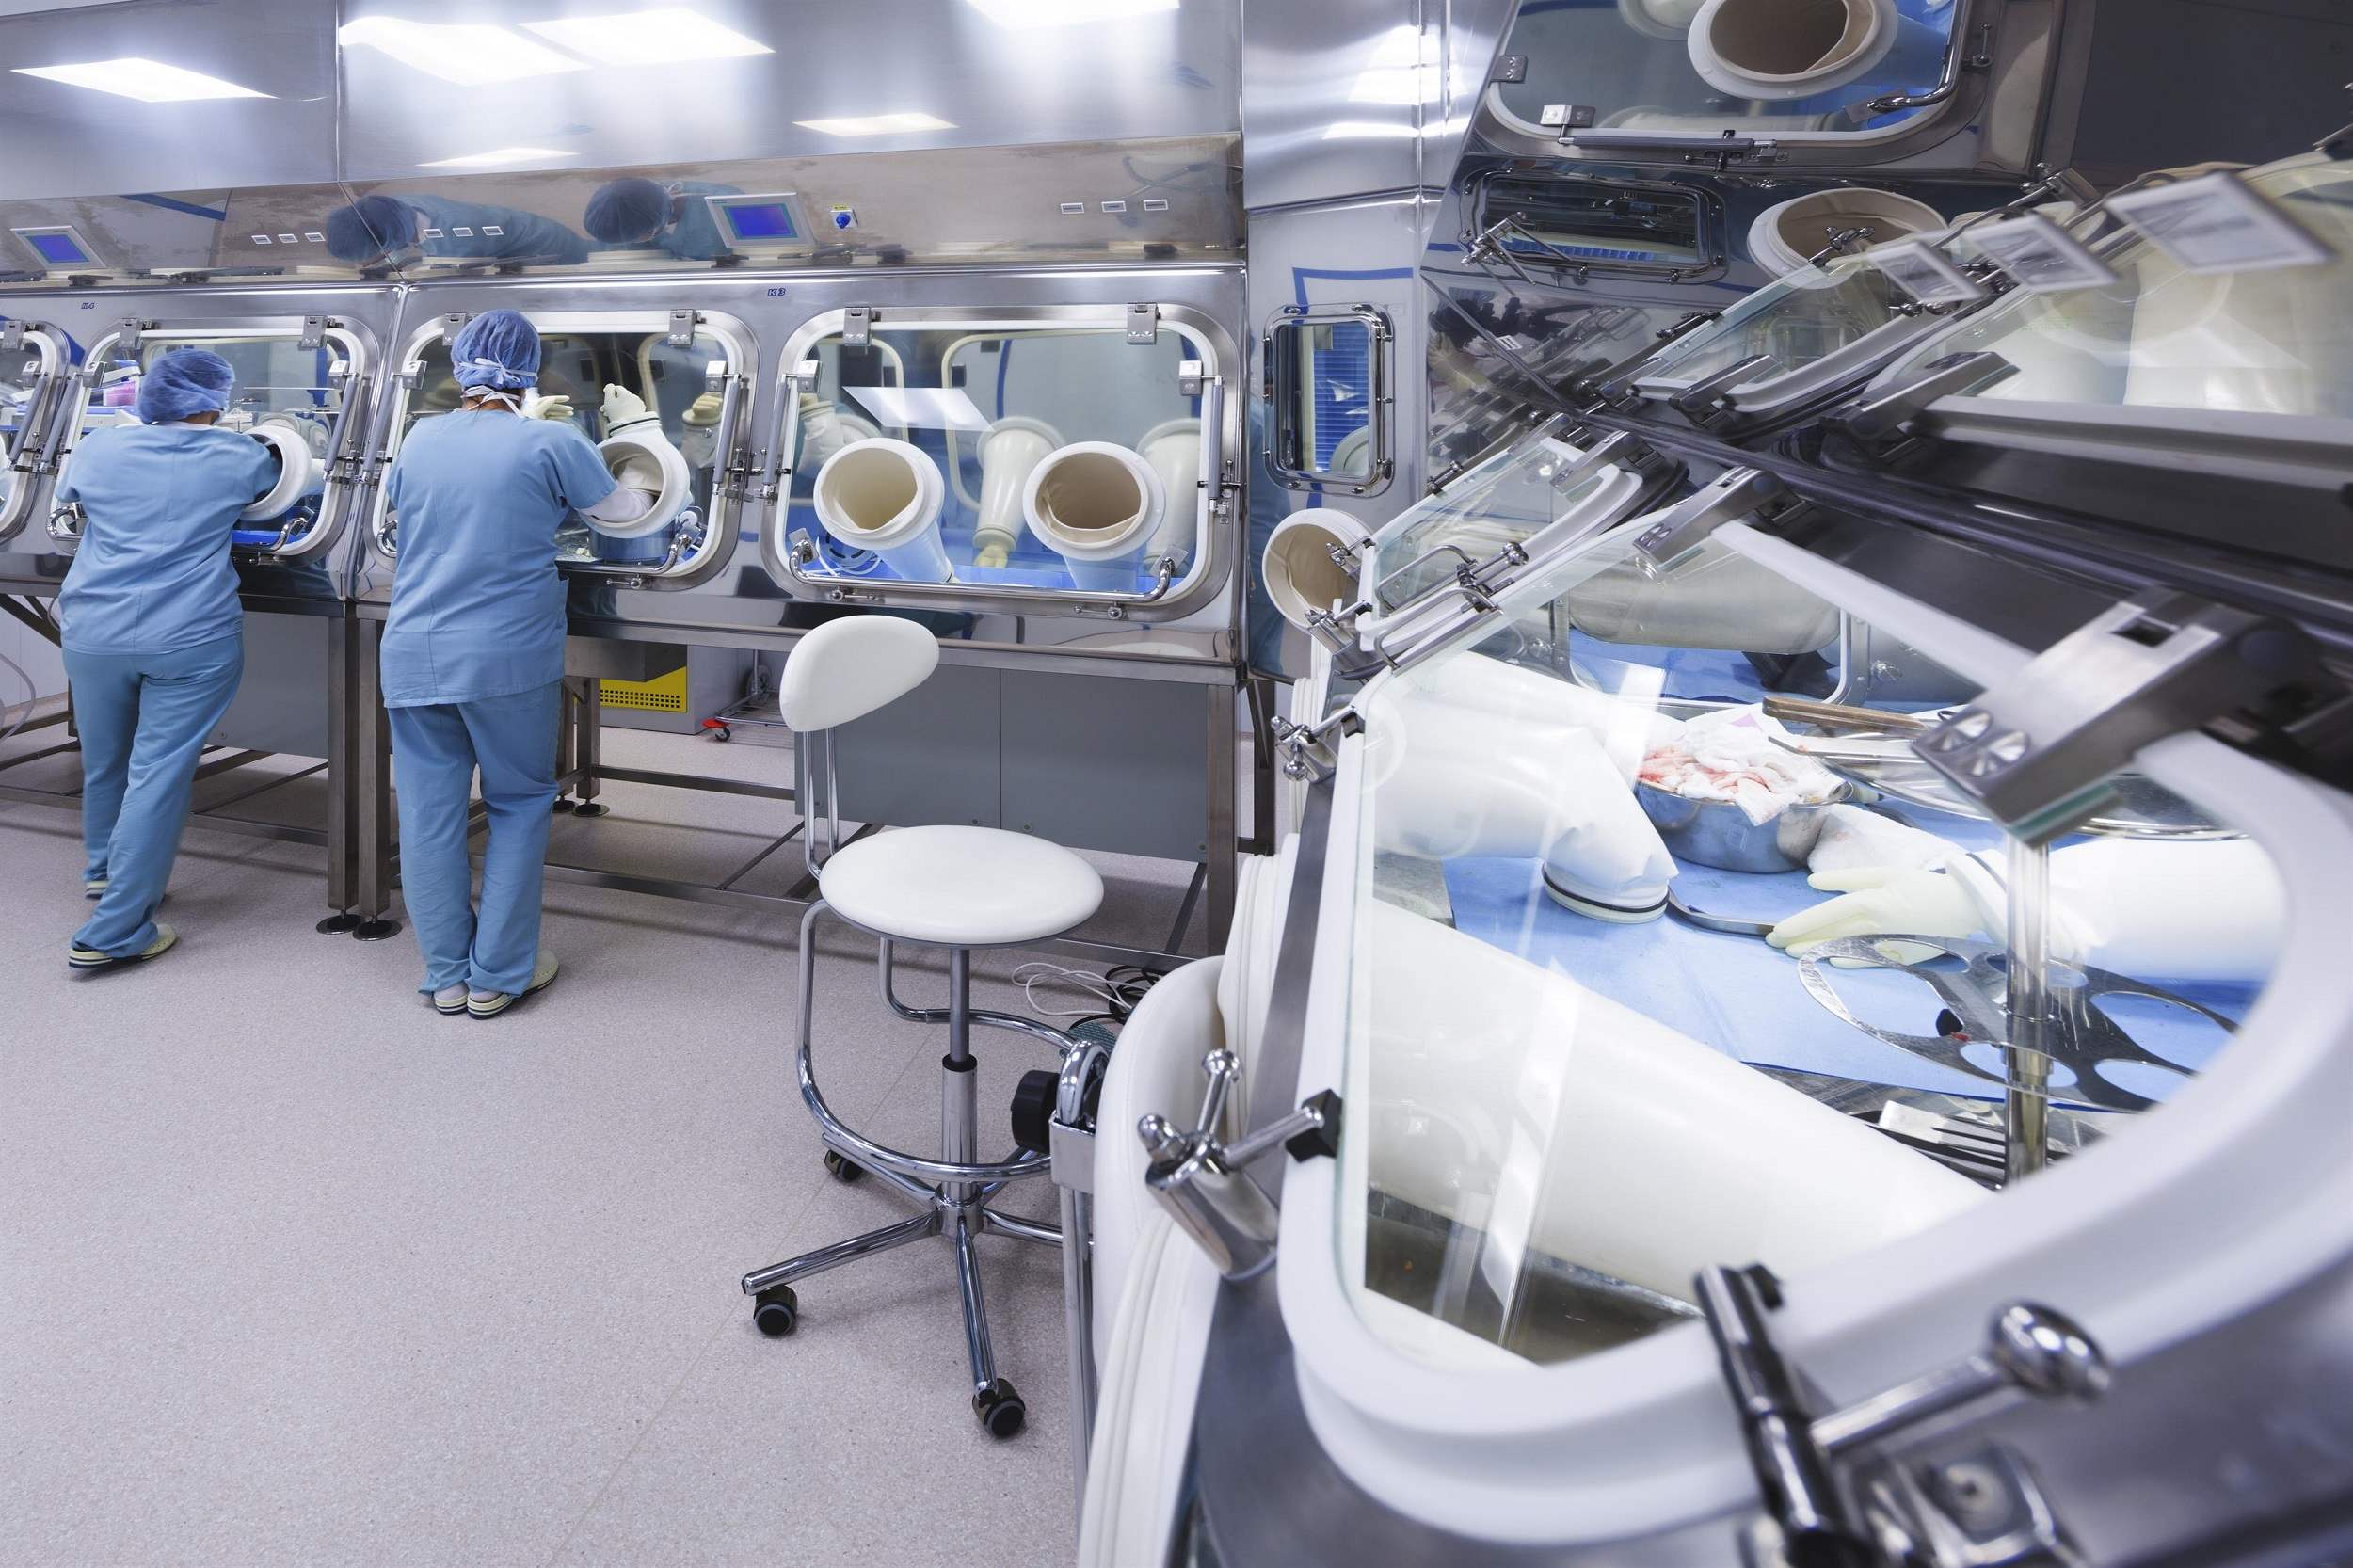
(30, 7)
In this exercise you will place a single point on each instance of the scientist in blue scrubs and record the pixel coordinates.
(473, 659)
(155, 637)
(636, 213)
(388, 230)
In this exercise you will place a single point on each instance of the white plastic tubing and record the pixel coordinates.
(885, 496)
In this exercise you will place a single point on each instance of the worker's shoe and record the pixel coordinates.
(94, 888)
(90, 958)
(490, 1004)
(450, 1001)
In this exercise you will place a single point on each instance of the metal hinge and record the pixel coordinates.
(11, 336)
(314, 333)
(2040, 750)
(682, 329)
(1310, 752)
(126, 344)
(1738, 494)
(1192, 374)
(1207, 1185)
(1705, 399)
(858, 326)
(451, 325)
(1887, 417)
(1144, 323)
(1829, 1498)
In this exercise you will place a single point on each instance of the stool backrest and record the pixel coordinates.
(847, 669)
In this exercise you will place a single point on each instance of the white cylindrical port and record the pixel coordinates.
(1173, 448)
(1661, 19)
(1302, 578)
(1095, 505)
(885, 496)
(1011, 448)
(1789, 233)
(636, 458)
(298, 472)
(1782, 49)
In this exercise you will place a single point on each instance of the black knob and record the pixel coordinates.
(1324, 1137)
(1034, 1101)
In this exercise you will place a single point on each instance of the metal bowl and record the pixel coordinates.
(1718, 833)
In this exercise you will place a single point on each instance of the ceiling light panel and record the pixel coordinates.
(876, 125)
(468, 54)
(149, 81)
(667, 35)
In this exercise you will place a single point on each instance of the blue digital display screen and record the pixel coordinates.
(771, 220)
(61, 250)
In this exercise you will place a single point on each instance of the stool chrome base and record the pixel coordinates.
(951, 1192)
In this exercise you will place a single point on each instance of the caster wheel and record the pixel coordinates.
(842, 1170)
(720, 732)
(591, 809)
(1033, 1100)
(1000, 1410)
(777, 1312)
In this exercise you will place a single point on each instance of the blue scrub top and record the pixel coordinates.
(152, 575)
(477, 604)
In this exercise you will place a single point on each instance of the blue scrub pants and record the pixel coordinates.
(143, 719)
(436, 750)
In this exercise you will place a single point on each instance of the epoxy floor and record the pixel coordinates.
(295, 1271)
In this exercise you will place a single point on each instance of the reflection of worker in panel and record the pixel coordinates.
(474, 658)
(154, 638)
(636, 213)
(388, 230)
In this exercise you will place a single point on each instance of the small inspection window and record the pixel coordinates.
(1579, 225)
(1328, 374)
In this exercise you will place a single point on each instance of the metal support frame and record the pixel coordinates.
(951, 1192)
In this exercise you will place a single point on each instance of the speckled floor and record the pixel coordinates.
(295, 1271)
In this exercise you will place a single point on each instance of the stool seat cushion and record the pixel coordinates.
(961, 886)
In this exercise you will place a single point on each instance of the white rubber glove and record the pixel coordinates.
(821, 431)
(1878, 900)
(698, 443)
(705, 409)
(556, 409)
(992, 556)
(624, 410)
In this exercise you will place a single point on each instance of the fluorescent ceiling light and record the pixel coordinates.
(876, 125)
(149, 81)
(466, 53)
(1397, 73)
(663, 36)
(498, 155)
(1062, 13)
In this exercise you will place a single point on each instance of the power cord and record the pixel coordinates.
(1118, 989)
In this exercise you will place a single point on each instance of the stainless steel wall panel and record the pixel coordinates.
(67, 140)
(1336, 95)
(1117, 766)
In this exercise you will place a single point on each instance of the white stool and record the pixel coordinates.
(955, 887)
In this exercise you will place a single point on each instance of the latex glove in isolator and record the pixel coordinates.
(1876, 900)
(822, 435)
(558, 408)
(2151, 909)
(700, 441)
(625, 411)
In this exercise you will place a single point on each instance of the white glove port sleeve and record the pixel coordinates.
(1450, 782)
(626, 505)
(624, 410)
(821, 434)
(1629, 730)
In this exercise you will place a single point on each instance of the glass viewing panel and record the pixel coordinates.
(1576, 1098)
(1564, 222)
(279, 381)
(2274, 341)
(578, 365)
(1056, 461)
(1768, 67)
(1330, 371)
(1796, 320)
(19, 384)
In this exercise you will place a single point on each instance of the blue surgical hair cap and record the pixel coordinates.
(369, 227)
(184, 381)
(498, 349)
(625, 210)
